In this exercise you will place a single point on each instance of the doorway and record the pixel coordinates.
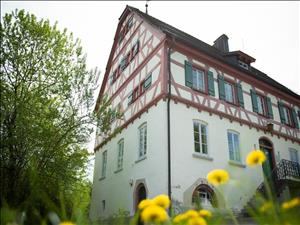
(140, 194)
(267, 147)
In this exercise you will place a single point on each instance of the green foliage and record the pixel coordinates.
(45, 116)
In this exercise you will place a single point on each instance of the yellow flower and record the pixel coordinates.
(145, 203)
(255, 157)
(162, 201)
(67, 223)
(217, 177)
(197, 221)
(205, 213)
(291, 204)
(191, 214)
(154, 213)
(180, 218)
(266, 206)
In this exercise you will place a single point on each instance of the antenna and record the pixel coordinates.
(147, 6)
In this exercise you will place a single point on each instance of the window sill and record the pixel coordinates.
(202, 156)
(141, 159)
(236, 163)
(118, 170)
(101, 178)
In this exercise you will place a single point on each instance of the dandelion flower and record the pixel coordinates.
(217, 177)
(291, 204)
(180, 218)
(197, 221)
(162, 201)
(67, 223)
(205, 213)
(191, 214)
(154, 213)
(266, 206)
(145, 203)
(255, 157)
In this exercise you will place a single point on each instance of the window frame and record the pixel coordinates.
(205, 79)
(104, 164)
(233, 91)
(120, 156)
(297, 155)
(236, 154)
(142, 144)
(289, 121)
(264, 104)
(200, 123)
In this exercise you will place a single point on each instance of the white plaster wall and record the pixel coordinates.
(115, 188)
(186, 169)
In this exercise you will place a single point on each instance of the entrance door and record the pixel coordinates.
(141, 194)
(267, 147)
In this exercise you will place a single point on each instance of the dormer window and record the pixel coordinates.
(243, 65)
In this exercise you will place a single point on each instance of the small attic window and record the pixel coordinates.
(243, 65)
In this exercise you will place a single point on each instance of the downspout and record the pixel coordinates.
(168, 122)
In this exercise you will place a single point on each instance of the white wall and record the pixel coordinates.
(187, 169)
(115, 188)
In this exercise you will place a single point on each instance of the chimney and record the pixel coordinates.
(221, 43)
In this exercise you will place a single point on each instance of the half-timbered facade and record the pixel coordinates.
(187, 108)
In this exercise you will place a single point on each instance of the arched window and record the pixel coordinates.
(204, 195)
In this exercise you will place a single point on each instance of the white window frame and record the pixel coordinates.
(232, 92)
(198, 77)
(120, 154)
(200, 124)
(104, 164)
(142, 135)
(294, 151)
(236, 146)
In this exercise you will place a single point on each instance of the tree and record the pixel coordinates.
(45, 112)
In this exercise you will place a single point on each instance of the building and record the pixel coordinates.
(188, 107)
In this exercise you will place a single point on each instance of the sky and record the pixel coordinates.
(267, 31)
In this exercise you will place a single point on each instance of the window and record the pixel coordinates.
(135, 49)
(229, 92)
(198, 80)
(104, 162)
(244, 65)
(120, 154)
(146, 83)
(288, 115)
(200, 137)
(261, 104)
(205, 196)
(234, 146)
(125, 29)
(142, 140)
(294, 155)
(140, 89)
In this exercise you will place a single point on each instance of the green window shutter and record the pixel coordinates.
(211, 86)
(269, 108)
(254, 101)
(221, 87)
(281, 113)
(148, 80)
(188, 74)
(240, 94)
(295, 120)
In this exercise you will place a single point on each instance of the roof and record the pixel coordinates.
(209, 50)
